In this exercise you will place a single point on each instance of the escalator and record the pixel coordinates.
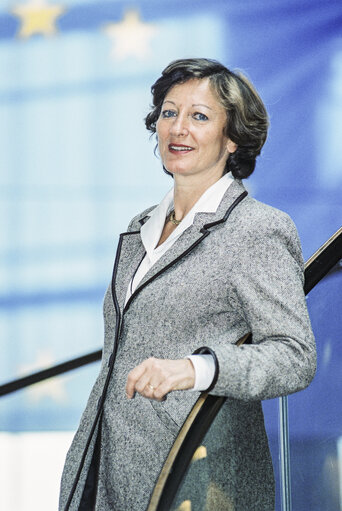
(306, 440)
(304, 430)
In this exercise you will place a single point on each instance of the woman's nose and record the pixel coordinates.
(180, 126)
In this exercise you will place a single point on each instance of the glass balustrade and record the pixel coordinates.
(308, 475)
(315, 414)
(36, 428)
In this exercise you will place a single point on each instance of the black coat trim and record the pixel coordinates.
(101, 400)
(88, 500)
(205, 232)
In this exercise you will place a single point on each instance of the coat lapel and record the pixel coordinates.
(193, 235)
(132, 249)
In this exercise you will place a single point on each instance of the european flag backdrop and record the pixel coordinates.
(77, 163)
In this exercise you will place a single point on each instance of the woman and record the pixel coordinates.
(193, 275)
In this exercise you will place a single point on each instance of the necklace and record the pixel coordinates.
(172, 218)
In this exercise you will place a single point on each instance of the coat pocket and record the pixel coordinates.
(174, 410)
(164, 417)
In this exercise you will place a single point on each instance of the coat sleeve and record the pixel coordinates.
(267, 286)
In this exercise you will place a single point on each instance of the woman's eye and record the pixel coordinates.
(168, 113)
(200, 117)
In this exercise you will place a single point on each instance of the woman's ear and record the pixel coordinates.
(231, 146)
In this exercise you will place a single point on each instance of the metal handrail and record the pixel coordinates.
(44, 374)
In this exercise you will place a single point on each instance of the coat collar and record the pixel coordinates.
(132, 250)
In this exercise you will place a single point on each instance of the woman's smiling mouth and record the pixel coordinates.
(179, 148)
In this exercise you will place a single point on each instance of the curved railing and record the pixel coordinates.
(207, 406)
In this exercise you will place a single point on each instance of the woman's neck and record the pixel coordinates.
(186, 194)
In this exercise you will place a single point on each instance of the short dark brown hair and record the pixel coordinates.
(247, 119)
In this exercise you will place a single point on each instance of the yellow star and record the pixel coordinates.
(37, 18)
(131, 37)
(52, 388)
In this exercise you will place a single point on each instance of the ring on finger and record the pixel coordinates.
(150, 386)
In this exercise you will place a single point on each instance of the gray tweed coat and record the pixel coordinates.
(235, 271)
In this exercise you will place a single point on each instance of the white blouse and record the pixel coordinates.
(150, 235)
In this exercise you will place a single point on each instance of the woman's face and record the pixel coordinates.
(190, 131)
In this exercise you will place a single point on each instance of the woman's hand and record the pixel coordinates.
(155, 377)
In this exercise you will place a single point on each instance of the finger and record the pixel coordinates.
(162, 390)
(153, 392)
(132, 378)
(145, 381)
(144, 385)
(149, 391)
(159, 395)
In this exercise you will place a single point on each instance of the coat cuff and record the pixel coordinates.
(208, 351)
